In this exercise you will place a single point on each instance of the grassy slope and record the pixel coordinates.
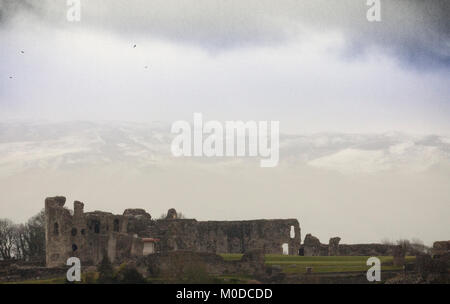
(298, 264)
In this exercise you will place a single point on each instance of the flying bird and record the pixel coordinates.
(134, 46)
(22, 52)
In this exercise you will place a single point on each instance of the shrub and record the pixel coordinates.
(129, 275)
(90, 278)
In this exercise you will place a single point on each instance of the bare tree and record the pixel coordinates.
(417, 244)
(413, 247)
(20, 242)
(30, 238)
(7, 239)
(404, 243)
(23, 241)
(387, 241)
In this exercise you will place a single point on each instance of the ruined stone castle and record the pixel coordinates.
(92, 235)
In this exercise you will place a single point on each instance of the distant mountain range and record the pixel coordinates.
(74, 144)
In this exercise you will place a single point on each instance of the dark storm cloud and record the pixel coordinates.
(418, 32)
(415, 31)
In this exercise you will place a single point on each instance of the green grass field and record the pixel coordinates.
(322, 264)
(288, 264)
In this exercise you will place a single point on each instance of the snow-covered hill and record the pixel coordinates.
(77, 144)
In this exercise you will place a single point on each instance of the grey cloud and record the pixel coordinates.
(416, 31)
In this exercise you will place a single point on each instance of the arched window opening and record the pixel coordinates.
(285, 248)
(97, 227)
(301, 251)
(56, 229)
(74, 231)
(116, 225)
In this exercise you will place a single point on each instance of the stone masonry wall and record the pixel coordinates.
(226, 236)
(92, 235)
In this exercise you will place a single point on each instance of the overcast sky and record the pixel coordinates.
(314, 65)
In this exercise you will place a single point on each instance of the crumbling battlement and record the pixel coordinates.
(92, 235)
(313, 247)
